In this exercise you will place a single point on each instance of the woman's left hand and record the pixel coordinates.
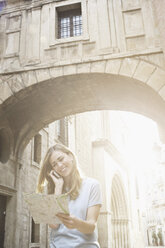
(70, 222)
(85, 226)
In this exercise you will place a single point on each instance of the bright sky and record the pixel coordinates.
(143, 133)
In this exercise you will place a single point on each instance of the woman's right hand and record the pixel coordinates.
(58, 181)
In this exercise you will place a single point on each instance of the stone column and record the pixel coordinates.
(18, 208)
(98, 171)
(125, 235)
(105, 230)
(122, 233)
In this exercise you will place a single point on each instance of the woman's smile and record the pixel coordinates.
(62, 163)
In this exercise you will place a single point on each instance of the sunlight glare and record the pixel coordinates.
(142, 137)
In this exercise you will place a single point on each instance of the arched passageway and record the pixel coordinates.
(35, 103)
(31, 108)
(120, 220)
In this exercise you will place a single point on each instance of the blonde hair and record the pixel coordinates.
(75, 179)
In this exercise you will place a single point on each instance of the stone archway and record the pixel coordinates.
(120, 220)
(34, 98)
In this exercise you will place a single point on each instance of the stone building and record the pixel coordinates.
(155, 209)
(59, 58)
(98, 157)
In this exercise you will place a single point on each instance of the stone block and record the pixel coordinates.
(51, 54)
(42, 75)
(56, 72)
(136, 43)
(128, 67)
(29, 78)
(98, 66)
(15, 83)
(11, 64)
(89, 49)
(162, 92)
(12, 43)
(127, 5)
(83, 68)
(70, 70)
(157, 80)
(5, 91)
(143, 71)
(133, 22)
(69, 52)
(113, 66)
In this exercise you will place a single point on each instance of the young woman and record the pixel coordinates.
(60, 171)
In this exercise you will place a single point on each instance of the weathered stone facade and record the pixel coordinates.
(117, 63)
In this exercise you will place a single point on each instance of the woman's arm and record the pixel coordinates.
(58, 190)
(89, 225)
(85, 226)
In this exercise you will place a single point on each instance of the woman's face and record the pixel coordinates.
(62, 163)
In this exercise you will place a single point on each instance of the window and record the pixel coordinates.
(37, 148)
(4, 145)
(69, 21)
(2, 4)
(35, 232)
(62, 131)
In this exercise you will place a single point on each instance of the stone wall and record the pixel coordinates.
(29, 38)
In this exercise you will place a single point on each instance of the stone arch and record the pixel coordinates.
(119, 221)
(34, 98)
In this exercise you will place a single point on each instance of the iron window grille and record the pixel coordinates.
(69, 23)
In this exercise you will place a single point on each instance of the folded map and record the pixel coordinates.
(44, 208)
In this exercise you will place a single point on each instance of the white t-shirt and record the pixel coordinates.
(62, 237)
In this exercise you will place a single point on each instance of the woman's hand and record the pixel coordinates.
(58, 181)
(85, 226)
(70, 222)
(53, 226)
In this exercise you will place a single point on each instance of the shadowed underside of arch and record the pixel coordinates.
(30, 109)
